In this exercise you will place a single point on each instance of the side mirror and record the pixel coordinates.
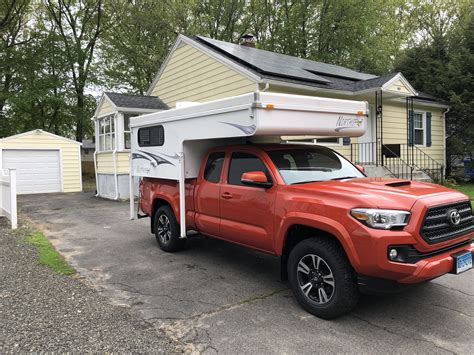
(255, 178)
(361, 168)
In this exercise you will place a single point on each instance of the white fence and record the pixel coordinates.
(8, 196)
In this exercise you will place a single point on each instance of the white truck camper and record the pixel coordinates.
(171, 144)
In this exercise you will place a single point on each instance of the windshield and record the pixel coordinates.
(302, 165)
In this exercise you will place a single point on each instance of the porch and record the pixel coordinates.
(402, 144)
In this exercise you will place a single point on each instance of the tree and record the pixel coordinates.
(440, 62)
(221, 19)
(14, 36)
(360, 34)
(79, 25)
(138, 37)
(10, 10)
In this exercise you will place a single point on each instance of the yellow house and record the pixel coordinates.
(112, 137)
(44, 162)
(406, 129)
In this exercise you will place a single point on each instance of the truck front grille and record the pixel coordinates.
(439, 226)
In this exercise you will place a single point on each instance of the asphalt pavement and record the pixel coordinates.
(218, 297)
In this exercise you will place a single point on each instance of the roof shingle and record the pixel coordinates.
(137, 101)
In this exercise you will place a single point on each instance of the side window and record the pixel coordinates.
(244, 162)
(213, 169)
(151, 136)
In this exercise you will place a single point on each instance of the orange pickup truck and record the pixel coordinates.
(337, 232)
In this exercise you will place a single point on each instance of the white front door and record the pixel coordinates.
(37, 171)
(367, 144)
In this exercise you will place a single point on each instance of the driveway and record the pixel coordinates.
(217, 297)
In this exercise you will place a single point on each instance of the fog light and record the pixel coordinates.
(393, 254)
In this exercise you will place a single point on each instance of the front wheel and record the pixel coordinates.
(322, 279)
(167, 230)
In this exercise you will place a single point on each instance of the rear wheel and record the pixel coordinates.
(167, 230)
(322, 278)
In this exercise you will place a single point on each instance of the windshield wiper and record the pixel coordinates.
(344, 177)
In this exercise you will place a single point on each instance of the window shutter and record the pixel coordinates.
(411, 128)
(428, 129)
(346, 141)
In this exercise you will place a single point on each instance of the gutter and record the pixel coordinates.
(95, 158)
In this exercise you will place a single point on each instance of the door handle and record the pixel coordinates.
(226, 195)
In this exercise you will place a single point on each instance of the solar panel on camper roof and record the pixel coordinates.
(284, 65)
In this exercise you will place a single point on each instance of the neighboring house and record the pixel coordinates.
(44, 162)
(405, 135)
(112, 137)
(87, 156)
(88, 149)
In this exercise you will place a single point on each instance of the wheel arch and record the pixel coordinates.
(159, 201)
(296, 228)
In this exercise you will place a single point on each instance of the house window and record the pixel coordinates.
(127, 143)
(107, 133)
(329, 140)
(419, 127)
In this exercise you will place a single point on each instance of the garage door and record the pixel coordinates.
(38, 171)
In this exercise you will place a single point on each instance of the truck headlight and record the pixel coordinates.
(381, 219)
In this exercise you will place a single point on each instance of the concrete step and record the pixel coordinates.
(381, 171)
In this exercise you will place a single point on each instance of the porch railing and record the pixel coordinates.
(364, 153)
(400, 159)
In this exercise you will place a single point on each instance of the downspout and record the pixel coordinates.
(267, 85)
(114, 157)
(95, 159)
(444, 135)
(96, 176)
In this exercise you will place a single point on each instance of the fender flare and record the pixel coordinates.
(318, 222)
(169, 199)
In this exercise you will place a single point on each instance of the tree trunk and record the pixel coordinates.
(80, 116)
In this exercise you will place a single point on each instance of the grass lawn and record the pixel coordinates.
(88, 182)
(466, 188)
(48, 255)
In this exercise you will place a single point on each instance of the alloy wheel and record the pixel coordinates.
(164, 229)
(315, 279)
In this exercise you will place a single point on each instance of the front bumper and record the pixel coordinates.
(372, 246)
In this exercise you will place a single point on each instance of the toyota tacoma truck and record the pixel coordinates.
(337, 232)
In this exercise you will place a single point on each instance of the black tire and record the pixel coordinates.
(167, 230)
(313, 290)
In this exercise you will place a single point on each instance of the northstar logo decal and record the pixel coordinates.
(348, 122)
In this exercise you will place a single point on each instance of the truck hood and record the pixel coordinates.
(381, 193)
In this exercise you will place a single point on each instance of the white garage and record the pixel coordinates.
(44, 162)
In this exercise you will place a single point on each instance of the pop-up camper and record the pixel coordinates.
(171, 144)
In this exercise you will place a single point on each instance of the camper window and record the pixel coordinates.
(151, 136)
